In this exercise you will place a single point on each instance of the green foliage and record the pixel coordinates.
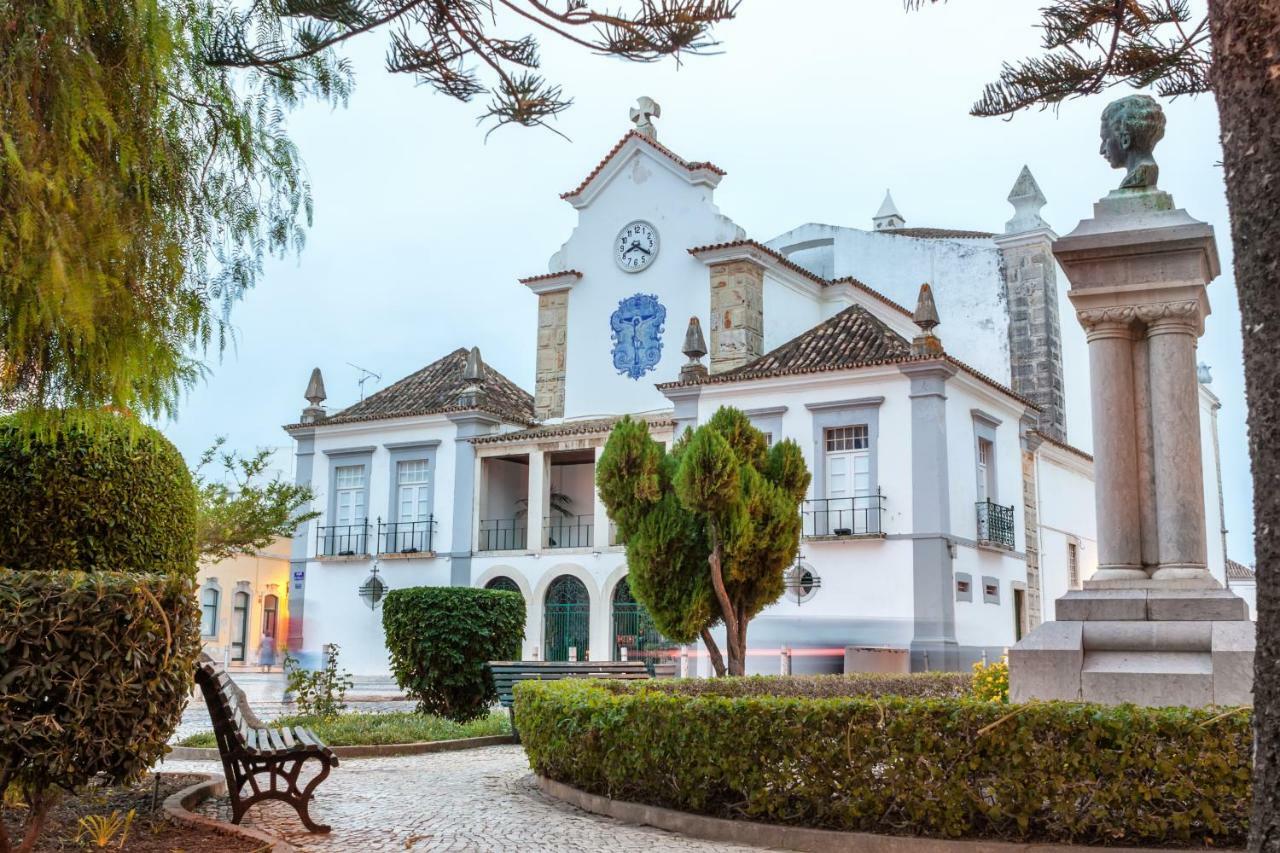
(103, 493)
(100, 830)
(95, 669)
(948, 768)
(921, 685)
(322, 693)
(721, 492)
(378, 729)
(239, 513)
(441, 640)
(140, 190)
(991, 682)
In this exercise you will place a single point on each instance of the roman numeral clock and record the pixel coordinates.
(637, 325)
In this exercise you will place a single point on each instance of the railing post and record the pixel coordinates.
(785, 660)
(684, 661)
(573, 654)
(622, 653)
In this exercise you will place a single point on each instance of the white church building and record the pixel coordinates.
(948, 509)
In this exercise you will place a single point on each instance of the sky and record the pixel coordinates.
(813, 108)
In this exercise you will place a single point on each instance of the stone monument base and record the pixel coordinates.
(1145, 642)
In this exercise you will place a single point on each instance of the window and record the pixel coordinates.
(848, 438)
(964, 588)
(270, 607)
(768, 439)
(1073, 566)
(239, 625)
(414, 496)
(209, 611)
(991, 590)
(986, 471)
(349, 495)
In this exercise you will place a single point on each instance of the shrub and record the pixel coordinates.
(934, 685)
(95, 669)
(1051, 771)
(440, 640)
(322, 693)
(103, 493)
(991, 681)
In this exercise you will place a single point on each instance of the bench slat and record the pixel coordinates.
(286, 734)
(305, 736)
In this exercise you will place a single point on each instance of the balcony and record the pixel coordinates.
(503, 534)
(407, 538)
(844, 518)
(572, 531)
(995, 525)
(343, 540)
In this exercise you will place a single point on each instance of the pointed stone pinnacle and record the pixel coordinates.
(474, 371)
(315, 394)
(926, 315)
(1027, 200)
(695, 345)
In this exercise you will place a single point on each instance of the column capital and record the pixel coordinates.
(1111, 321)
(1181, 317)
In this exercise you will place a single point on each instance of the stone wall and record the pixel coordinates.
(553, 326)
(1031, 526)
(1035, 334)
(737, 314)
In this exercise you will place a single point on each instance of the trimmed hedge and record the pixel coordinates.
(925, 685)
(103, 493)
(441, 639)
(95, 669)
(1053, 772)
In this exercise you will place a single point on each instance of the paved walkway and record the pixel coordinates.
(474, 800)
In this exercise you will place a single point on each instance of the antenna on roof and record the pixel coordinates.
(365, 375)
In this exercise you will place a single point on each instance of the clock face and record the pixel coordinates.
(636, 246)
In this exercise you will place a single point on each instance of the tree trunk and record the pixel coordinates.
(737, 653)
(1246, 83)
(713, 652)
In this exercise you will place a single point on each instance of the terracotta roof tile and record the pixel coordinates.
(591, 426)
(1239, 571)
(550, 275)
(1070, 448)
(787, 263)
(435, 389)
(936, 233)
(661, 149)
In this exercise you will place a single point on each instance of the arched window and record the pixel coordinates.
(566, 620)
(209, 611)
(270, 609)
(239, 624)
(503, 583)
(633, 629)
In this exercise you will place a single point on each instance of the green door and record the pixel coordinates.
(566, 619)
(633, 629)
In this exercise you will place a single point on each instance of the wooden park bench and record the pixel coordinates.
(508, 673)
(266, 759)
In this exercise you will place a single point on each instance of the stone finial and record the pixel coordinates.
(643, 114)
(695, 346)
(1204, 374)
(314, 395)
(473, 375)
(888, 216)
(1131, 127)
(1027, 200)
(926, 318)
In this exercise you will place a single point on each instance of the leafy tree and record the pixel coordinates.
(139, 192)
(445, 43)
(1232, 52)
(710, 526)
(241, 514)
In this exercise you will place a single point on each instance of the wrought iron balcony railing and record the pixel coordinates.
(343, 540)
(995, 524)
(573, 531)
(407, 537)
(853, 516)
(503, 534)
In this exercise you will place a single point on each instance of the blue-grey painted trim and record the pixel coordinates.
(684, 401)
(350, 451)
(856, 403)
(964, 594)
(345, 459)
(768, 420)
(765, 411)
(469, 425)
(987, 418)
(989, 598)
(407, 452)
(296, 588)
(955, 540)
(933, 585)
(401, 445)
(846, 413)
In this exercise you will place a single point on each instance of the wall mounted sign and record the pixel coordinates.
(637, 334)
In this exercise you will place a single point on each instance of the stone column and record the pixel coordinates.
(537, 495)
(1177, 464)
(1115, 452)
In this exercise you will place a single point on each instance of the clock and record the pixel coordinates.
(636, 246)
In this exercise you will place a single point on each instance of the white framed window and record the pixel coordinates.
(1073, 566)
(413, 482)
(768, 439)
(986, 471)
(848, 474)
(844, 438)
(348, 482)
(209, 611)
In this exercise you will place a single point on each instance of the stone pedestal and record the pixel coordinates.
(1152, 626)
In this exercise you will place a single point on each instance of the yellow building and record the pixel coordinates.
(244, 613)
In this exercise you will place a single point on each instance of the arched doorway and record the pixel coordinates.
(566, 619)
(633, 629)
(503, 584)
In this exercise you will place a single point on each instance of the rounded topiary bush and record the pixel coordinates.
(98, 492)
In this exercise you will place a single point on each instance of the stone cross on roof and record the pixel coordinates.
(643, 114)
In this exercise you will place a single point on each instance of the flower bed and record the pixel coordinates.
(909, 765)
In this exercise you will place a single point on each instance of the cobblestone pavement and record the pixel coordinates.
(474, 800)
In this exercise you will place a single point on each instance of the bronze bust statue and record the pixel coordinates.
(1131, 127)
